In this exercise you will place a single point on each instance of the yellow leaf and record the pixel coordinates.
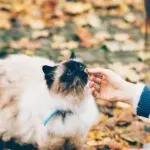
(92, 143)
(148, 138)
(29, 52)
(76, 7)
(103, 117)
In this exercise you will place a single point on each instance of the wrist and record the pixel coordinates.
(133, 92)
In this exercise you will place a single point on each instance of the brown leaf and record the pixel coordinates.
(123, 117)
(48, 6)
(4, 20)
(85, 37)
(25, 43)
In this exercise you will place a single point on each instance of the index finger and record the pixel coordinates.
(98, 71)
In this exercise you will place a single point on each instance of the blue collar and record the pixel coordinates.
(58, 112)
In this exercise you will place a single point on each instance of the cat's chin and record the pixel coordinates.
(74, 95)
(77, 91)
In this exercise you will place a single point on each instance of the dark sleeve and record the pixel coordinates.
(143, 108)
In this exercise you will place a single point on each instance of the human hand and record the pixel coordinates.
(107, 85)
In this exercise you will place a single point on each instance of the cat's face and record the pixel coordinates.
(66, 78)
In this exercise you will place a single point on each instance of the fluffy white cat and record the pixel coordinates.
(50, 109)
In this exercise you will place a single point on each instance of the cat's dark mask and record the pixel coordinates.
(68, 76)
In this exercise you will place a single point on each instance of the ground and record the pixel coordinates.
(102, 33)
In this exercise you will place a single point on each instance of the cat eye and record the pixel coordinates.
(82, 67)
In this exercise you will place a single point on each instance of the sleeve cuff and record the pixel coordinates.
(137, 94)
(143, 108)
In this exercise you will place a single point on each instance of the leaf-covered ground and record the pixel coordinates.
(106, 33)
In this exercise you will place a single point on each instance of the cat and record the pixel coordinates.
(45, 104)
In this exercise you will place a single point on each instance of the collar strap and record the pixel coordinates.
(58, 112)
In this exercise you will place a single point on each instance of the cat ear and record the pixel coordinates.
(72, 56)
(49, 74)
(47, 69)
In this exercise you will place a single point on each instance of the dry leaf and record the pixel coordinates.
(37, 24)
(129, 45)
(76, 7)
(5, 20)
(40, 34)
(125, 71)
(29, 52)
(144, 56)
(80, 20)
(24, 43)
(48, 6)
(64, 45)
(123, 117)
(113, 46)
(102, 36)
(84, 36)
(130, 17)
(120, 24)
(93, 21)
(121, 37)
(105, 4)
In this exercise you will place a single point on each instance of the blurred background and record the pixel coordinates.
(109, 33)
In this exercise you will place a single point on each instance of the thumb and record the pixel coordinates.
(110, 75)
(102, 71)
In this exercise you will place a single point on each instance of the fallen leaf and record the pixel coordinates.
(80, 20)
(130, 17)
(37, 24)
(144, 56)
(120, 24)
(93, 20)
(76, 7)
(84, 36)
(125, 71)
(123, 117)
(113, 46)
(105, 4)
(48, 6)
(24, 43)
(40, 34)
(123, 105)
(129, 45)
(29, 52)
(121, 37)
(64, 45)
(101, 36)
(5, 20)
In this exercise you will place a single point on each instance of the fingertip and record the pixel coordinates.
(93, 88)
(93, 93)
(91, 84)
(97, 87)
(98, 80)
(90, 78)
(97, 94)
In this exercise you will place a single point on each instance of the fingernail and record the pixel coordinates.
(86, 70)
(98, 80)
(97, 86)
